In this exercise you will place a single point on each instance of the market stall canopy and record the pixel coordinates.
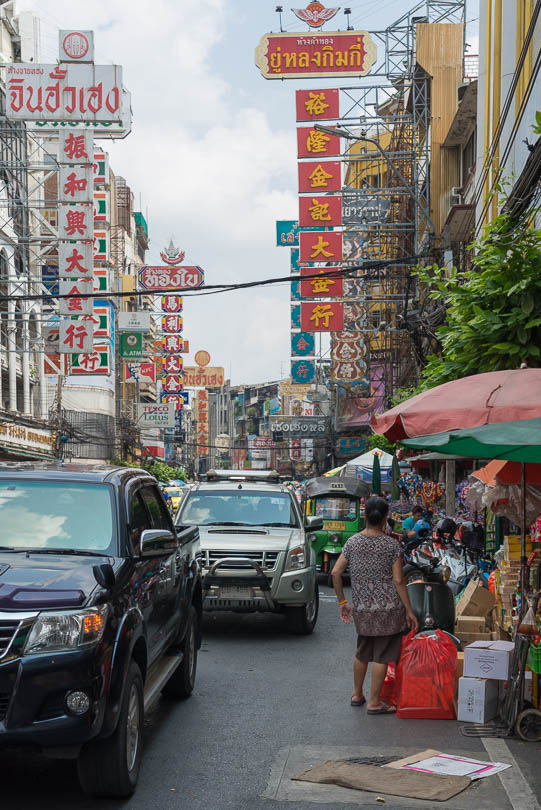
(508, 472)
(510, 441)
(317, 487)
(497, 396)
(363, 466)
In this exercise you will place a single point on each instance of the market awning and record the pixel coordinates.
(12, 453)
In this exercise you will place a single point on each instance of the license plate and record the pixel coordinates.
(335, 525)
(236, 593)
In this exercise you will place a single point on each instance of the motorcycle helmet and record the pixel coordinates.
(446, 527)
(472, 536)
(422, 528)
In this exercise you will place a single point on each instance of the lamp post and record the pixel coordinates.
(343, 133)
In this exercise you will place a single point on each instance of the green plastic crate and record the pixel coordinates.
(534, 659)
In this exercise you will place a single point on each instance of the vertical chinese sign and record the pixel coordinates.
(202, 421)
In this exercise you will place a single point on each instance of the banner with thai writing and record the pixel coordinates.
(323, 55)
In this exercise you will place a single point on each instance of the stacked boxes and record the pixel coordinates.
(486, 667)
(474, 614)
(508, 576)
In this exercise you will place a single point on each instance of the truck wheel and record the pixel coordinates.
(110, 767)
(302, 620)
(182, 681)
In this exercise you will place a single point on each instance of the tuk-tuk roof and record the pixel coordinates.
(337, 486)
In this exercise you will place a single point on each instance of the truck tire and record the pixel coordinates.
(182, 681)
(301, 621)
(110, 767)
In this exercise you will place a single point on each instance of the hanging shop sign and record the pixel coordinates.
(101, 318)
(133, 322)
(22, 438)
(290, 389)
(173, 364)
(156, 416)
(296, 290)
(131, 345)
(359, 206)
(100, 168)
(65, 92)
(298, 427)
(75, 260)
(321, 246)
(101, 207)
(171, 344)
(172, 304)
(209, 377)
(295, 316)
(294, 261)
(76, 336)
(324, 287)
(100, 129)
(77, 303)
(349, 372)
(322, 317)
(315, 14)
(303, 344)
(350, 446)
(172, 324)
(322, 55)
(175, 399)
(320, 176)
(317, 105)
(303, 371)
(354, 315)
(314, 144)
(139, 373)
(287, 232)
(170, 278)
(75, 183)
(202, 357)
(76, 46)
(101, 246)
(97, 361)
(320, 210)
(75, 221)
(172, 383)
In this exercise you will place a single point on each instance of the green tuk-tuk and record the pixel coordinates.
(338, 502)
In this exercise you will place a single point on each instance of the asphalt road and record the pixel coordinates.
(264, 699)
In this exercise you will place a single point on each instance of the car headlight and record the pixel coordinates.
(296, 558)
(446, 573)
(69, 630)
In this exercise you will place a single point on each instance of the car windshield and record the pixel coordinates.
(336, 508)
(174, 493)
(239, 508)
(48, 515)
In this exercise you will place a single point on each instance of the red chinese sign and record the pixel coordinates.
(172, 324)
(173, 383)
(318, 105)
(299, 56)
(171, 278)
(322, 317)
(323, 287)
(314, 144)
(320, 210)
(171, 304)
(171, 344)
(75, 261)
(320, 246)
(320, 176)
(173, 364)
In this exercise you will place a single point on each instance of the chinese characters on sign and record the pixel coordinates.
(320, 210)
(317, 246)
(303, 371)
(317, 105)
(319, 176)
(303, 344)
(314, 144)
(202, 422)
(327, 286)
(322, 317)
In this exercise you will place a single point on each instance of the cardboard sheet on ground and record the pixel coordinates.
(410, 784)
(449, 764)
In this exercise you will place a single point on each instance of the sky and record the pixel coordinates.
(211, 157)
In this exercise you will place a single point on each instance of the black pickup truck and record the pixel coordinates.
(100, 611)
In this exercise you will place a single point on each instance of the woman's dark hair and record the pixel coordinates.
(375, 510)
(417, 509)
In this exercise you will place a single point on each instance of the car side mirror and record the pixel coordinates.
(313, 522)
(155, 542)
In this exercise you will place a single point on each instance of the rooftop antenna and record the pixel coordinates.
(347, 12)
(279, 10)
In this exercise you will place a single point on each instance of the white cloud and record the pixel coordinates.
(214, 173)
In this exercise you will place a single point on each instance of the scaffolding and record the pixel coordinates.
(386, 199)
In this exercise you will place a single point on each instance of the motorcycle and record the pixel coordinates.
(431, 598)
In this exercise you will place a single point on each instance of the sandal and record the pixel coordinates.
(383, 709)
(358, 701)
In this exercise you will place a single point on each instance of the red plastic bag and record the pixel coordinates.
(388, 691)
(427, 677)
(492, 582)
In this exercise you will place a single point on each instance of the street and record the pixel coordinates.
(267, 705)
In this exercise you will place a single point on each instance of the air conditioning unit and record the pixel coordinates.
(456, 195)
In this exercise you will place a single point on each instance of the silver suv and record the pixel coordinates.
(254, 553)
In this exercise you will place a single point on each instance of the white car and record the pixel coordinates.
(254, 553)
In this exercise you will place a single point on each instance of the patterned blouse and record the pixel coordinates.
(377, 607)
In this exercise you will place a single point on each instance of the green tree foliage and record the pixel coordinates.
(161, 471)
(494, 310)
(375, 440)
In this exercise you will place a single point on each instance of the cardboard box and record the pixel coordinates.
(478, 700)
(471, 624)
(488, 659)
(474, 601)
(459, 664)
(470, 638)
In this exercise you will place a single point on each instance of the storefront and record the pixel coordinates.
(20, 442)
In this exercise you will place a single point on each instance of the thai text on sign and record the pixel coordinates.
(170, 278)
(294, 56)
(209, 377)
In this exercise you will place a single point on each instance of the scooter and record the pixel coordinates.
(431, 598)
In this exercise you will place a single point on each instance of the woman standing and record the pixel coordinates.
(380, 606)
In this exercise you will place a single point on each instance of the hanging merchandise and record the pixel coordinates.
(413, 484)
(427, 677)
